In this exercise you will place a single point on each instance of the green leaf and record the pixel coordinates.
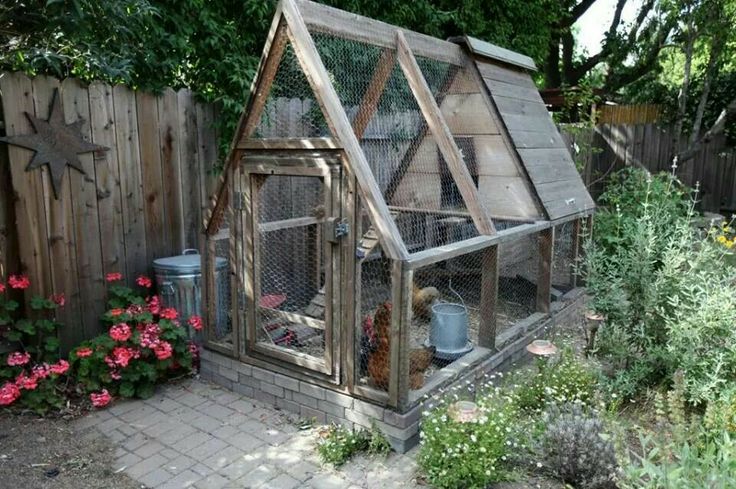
(39, 303)
(145, 390)
(26, 326)
(11, 306)
(127, 389)
(52, 343)
(13, 335)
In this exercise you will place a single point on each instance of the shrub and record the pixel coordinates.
(720, 414)
(31, 376)
(575, 448)
(338, 444)
(470, 455)
(668, 296)
(145, 344)
(557, 382)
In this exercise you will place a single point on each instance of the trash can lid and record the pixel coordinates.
(185, 263)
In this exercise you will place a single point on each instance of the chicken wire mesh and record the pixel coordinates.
(518, 274)
(291, 109)
(446, 316)
(221, 333)
(401, 152)
(291, 263)
(564, 257)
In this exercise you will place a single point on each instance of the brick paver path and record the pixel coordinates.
(196, 434)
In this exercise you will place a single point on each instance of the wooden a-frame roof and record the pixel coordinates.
(527, 131)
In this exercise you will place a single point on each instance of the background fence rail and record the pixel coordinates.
(610, 147)
(139, 200)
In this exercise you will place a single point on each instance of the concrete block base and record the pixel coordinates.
(401, 428)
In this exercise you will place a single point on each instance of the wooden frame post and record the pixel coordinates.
(337, 119)
(402, 279)
(441, 132)
(488, 298)
(372, 96)
(544, 270)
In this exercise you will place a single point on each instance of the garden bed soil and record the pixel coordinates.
(39, 453)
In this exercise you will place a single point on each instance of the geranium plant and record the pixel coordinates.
(30, 374)
(145, 344)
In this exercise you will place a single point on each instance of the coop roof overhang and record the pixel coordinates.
(527, 131)
(495, 53)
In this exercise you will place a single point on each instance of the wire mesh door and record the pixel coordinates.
(292, 211)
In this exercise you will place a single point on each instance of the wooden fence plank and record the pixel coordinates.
(190, 178)
(86, 219)
(169, 138)
(109, 199)
(31, 224)
(131, 184)
(153, 209)
(60, 222)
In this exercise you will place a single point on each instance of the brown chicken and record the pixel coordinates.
(379, 369)
(422, 300)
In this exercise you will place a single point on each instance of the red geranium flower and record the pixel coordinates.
(100, 400)
(25, 382)
(19, 282)
(122, 356)
(9, 392)
(59, 368)
(116, 312)
(195, 322)
(169, 313)
(41, 371)
(2, 288)
(58, 299)
(17, 358)
(114, 276)
(154, 305)
(163, 350)
(83, 352)
(120, 332)
(144, 281)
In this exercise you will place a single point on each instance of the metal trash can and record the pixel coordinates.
(179, 282)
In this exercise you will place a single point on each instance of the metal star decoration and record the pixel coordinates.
(55, 143)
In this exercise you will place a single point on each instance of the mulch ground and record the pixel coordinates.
(39, 453)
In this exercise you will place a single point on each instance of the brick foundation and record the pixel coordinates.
(402, 429)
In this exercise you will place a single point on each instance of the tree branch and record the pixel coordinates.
(717, 128)
(579, 9)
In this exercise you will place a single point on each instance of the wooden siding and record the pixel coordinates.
(539, 145)
(138, 201)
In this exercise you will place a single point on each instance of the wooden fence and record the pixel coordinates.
(139, 200)
(608, 148)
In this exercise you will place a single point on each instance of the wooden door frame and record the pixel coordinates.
(323, 165)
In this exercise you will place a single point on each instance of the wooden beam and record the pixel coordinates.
(544, 270)
(488, 298)
(443, 137)
(294, 318)
(363, 29)
(395, 335)
(288, 143)
(372, 96)
(259, 89)
(405, 284)
(296, 222)
(442, 253)
(337, 119)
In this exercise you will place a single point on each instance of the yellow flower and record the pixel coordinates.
(721, 239)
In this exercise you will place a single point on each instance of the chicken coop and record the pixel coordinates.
(396, 210)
